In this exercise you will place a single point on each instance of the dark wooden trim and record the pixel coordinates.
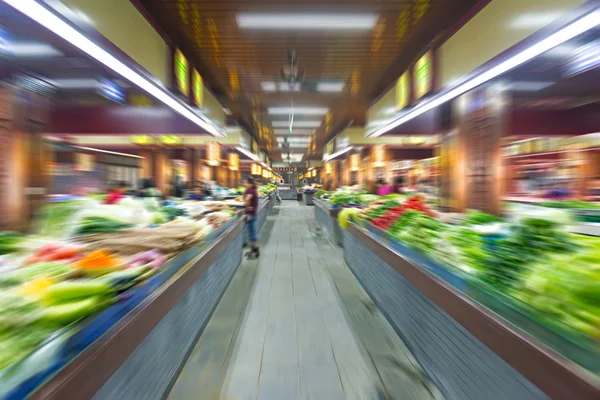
(83, 377)
(554, 375)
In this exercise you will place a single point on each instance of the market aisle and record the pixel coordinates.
(293, 325)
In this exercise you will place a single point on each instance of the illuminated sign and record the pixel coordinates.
(402, 91)
(182, 75)
(142, 140)
(328, 168)
(254, 147)
(140, 100)
(213, 153)
(423, 76)
(329, 148)
(197, 88)
(234, 161)
(112, 91)
(171, 140)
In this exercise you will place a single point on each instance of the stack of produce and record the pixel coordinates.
(59, 285)
(531, 259)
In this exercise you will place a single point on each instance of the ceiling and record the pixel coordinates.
(243, 66)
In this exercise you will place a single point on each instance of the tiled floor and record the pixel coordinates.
(297, 325)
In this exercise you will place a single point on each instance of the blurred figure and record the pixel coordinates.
(250, 209)
(399, 185)
(116, 193)
(384, 189)
(197, 194)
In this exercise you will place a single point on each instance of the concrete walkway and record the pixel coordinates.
(296, 324)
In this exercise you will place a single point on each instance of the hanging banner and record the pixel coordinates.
(182, 74)
(403, 91)
(197, 88)
(423, 76)
(378, 155)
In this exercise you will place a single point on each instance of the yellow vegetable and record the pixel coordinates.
(35, 287)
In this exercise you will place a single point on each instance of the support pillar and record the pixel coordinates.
(471, 164)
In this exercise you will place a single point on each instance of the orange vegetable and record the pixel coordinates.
(99, 259)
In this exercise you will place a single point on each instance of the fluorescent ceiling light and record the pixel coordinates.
(330, 86)
(298, 110)
(570, 31)
(298, 124)
(294, 132)
(305, 21)
(295, 145)
(526, 86)
(327, 157)
(74, 83)
(270, 86)
(53, 23)
(32, 50)
(107, 152)
(297, 139)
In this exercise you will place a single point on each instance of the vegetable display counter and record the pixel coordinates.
(460, 333)
(307, 198)
(327, 216)
(135, 348)
(287, 193)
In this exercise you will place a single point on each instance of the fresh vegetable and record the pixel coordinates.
(98, 261)
(50, 270)
(66, 313)
(75, 289)
(475, 217)
(173, 212)
(347, 214)
(91, 225)
(10, 242)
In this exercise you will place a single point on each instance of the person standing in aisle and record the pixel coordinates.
(250, 210)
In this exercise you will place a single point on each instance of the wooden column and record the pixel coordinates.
(471, 164)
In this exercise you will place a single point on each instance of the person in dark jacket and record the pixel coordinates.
(250, 211)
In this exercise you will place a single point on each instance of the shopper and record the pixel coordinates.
(197, 194)
(116, 193)
(383, 189)
(250, 210)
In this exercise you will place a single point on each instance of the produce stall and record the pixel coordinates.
(478, 298)
(287, 192)
(327, 216)
(114, 299)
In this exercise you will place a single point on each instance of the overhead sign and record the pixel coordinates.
(140, 100)
(171, 140)
(143, 140)
(254, 147)
(341, 143)
(182, 74)
(423, 75)
(84, 162)
(197, 88)
(329, 147)
(110, 90)
(583, 59)
(403, 91)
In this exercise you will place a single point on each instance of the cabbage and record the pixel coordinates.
(158, 218)
(347, 214)
(368, 198)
